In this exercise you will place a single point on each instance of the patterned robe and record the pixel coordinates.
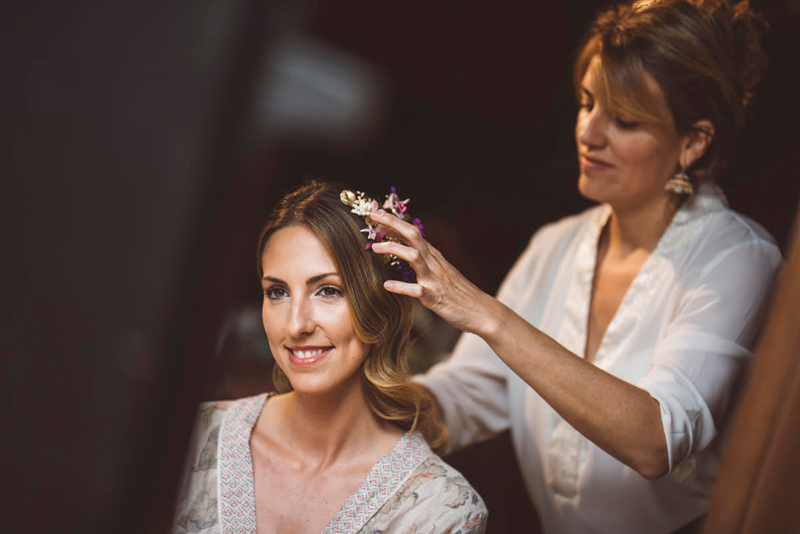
(409, 490)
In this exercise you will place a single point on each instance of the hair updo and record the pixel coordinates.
(705, 55)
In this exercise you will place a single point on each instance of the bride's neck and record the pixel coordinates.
(328, 427)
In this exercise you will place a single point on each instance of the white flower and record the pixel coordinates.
(362, 207)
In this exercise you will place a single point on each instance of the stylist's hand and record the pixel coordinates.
(440, 286)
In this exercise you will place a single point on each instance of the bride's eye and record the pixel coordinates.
(275, 293)
(330, 292)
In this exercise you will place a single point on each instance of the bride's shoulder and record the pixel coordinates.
(437, 494)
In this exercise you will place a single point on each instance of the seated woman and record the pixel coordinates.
(347, 444)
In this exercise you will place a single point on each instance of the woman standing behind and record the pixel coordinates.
(615, 343)
(345, 447)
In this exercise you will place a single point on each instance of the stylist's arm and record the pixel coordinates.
(619, 417)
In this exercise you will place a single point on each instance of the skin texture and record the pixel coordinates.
(305, 308)
(311, 447)
(627, 166)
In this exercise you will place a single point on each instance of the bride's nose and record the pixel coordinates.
(301, 319)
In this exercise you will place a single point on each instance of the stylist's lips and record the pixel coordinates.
(302, 356)
(591, 164)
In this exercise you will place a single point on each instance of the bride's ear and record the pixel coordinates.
(696, 142)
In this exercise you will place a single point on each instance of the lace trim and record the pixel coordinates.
(382, 481)
(236, 489)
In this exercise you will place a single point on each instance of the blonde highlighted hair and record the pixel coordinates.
(380, 319)
(705, 55)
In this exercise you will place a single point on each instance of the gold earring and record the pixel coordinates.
(680, 184)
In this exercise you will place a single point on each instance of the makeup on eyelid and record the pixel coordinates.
(306, 315)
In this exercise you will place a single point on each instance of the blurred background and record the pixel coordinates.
(144, 144)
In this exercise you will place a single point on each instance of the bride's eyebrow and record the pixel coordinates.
(315, 279)
(312, 280)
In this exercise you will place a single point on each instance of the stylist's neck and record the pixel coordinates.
(639, 227)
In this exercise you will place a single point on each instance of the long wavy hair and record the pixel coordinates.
(381, 319)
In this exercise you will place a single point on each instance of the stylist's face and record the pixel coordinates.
(623, 163)
(306, 315)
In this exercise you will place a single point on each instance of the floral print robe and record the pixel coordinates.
(409, 490)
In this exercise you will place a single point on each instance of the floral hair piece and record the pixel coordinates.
(362, 205)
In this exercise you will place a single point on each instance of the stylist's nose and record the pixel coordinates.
(301, 319)
(591, 128)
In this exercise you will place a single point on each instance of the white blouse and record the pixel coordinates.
(683, 333)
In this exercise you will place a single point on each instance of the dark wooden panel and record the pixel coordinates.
(759, 484)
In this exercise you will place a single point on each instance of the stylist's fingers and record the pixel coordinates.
(397, 227)
(439, 286)
(408, 253)
(405, 288)
(429, 286)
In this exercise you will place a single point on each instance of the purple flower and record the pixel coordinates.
(406, 272)
(418, 224)
(376, 239)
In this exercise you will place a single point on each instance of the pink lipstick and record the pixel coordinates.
(305, 356)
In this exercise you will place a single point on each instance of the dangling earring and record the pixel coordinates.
(680, 184)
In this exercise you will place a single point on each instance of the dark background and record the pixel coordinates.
(141, 156)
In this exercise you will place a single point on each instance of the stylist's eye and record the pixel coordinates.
(626, 125)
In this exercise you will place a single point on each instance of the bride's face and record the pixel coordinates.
(306, 315)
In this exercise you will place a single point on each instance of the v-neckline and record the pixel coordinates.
(600, 252)
(638, 284)
(580, 293)
(236, 484)
(567, 448)
(708, 199)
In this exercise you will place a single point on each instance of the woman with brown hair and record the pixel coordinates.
(614, 346)
(347, 445)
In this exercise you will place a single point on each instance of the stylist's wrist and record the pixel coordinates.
(490, 322)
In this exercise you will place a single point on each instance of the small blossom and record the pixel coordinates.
(394, 203)
(377, 238)
(363, 207)
(407, 274)
(400, 208)
(370, 231)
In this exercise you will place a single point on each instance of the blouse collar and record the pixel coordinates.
(670, 254)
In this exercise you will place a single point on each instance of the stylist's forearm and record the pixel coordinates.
(620, 418)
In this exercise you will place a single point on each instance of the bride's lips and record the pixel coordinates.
(304, 356)
(592, 164)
